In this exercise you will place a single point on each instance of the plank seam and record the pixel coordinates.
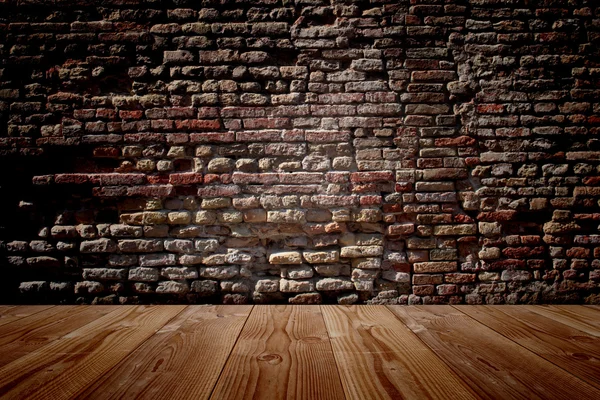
(26, 316)
(237, 339)
(108, 371)
(568, 314)
(337, 366)
(593, 384)
(450, 367)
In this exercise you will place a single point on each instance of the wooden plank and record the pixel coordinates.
(28, 334)
(583, 318)
(570, 349)
(491, 364)
(380, 358)
(13, 313)
(63, 368)
(283, 353)
(181, 361)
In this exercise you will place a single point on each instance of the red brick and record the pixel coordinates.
(302, 177)
(209, 112)
(84, 114)
(181, 112)
(145, 138)
(158, 179)
(161, 124)
(177, 138)
(463, 219)
(370, 200)
(211, 178)
(445, 290)
(392, 208)
(106, 152)
(294, 135)
(402, 187)
(401, 229)
(434, 76)
(71, 178)
(490, 108)
(380, 97)
(258, 136)
(578, 252)
(106, 113)
(242, 112)
(460, 141)
(267, 123)
(109, 191)
(212, 137)
(460, 278)
(423, 290)
(185, 179)
(591, 180)
(493, 216)
(262, 178)
(522, 252)
(131, 115)
(375, 176)
(219, 191)
(337, 177)
(117, 179)
(328, 136)
(198, 124)
(506, 264)
(371, 187)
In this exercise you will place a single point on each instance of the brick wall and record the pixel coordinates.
(307, 151)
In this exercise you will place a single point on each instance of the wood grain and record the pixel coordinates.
(583, 318)
(66, 366)
(380, 358)
(283, 352)
(181, 361)
(569, 348)
(102, 352)
(28, 334)
(491, 364)
(9, 314)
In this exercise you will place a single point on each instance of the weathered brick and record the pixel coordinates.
(434, 267)
(286, 257)
(140, 246)
(321, 257)
(361, 251)
(98, 246)
(291, 286)
(332, 284)
(202, 151)
(449, 230)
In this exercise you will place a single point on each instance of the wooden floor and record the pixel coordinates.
(300, 352)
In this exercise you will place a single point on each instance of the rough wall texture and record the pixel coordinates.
(422, 151)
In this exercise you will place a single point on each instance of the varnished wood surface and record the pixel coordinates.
(68, 365)
(568, 348)
(585, 319)
(379, 358)
(299, 352)
(40, 329)
(282, 353)
(493, 365)
(181, 361)
(9, 314)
